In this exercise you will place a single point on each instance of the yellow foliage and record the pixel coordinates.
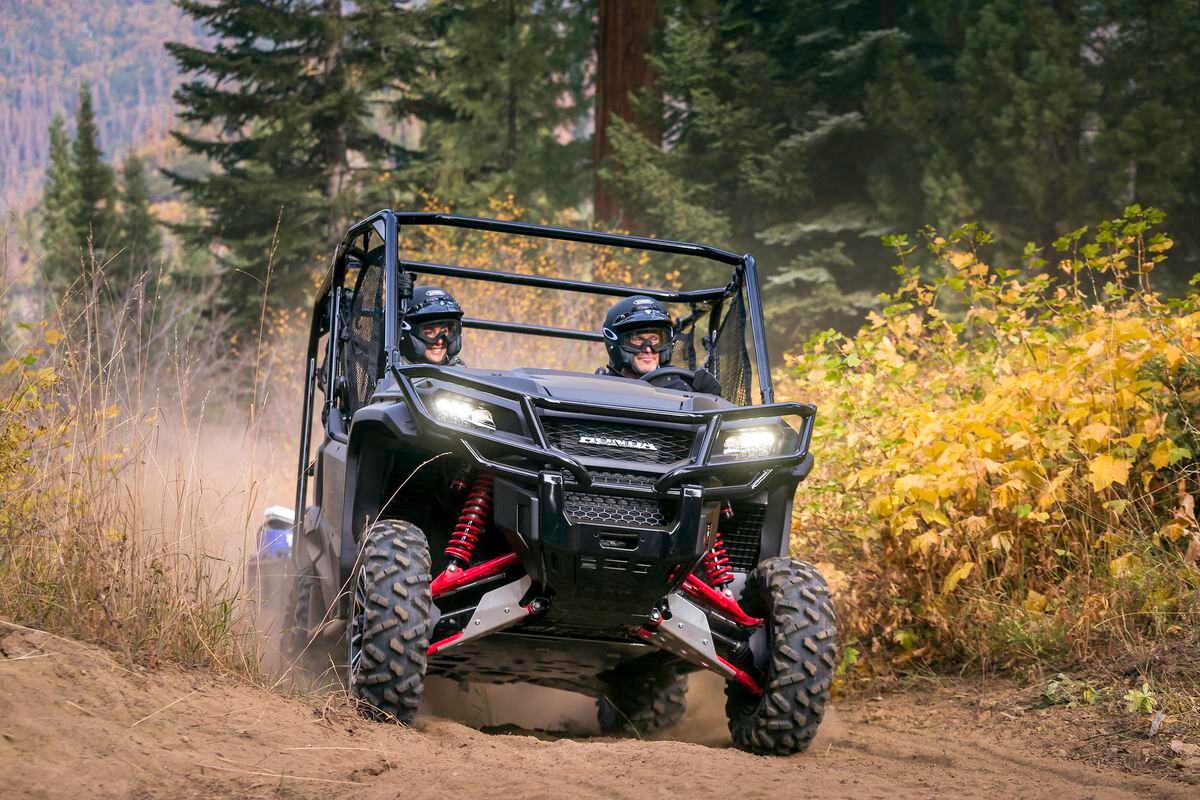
(1105, 470)
(1035, 602)
(974, 455)
(956, 575)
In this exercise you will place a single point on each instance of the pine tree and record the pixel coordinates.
(1146, 149)
(1036, 118)
(95, 228)
(138, 234)
(999, 95)
(805, 130)
(767, 146)
(287, 87)
(507, 104)
(61, 210)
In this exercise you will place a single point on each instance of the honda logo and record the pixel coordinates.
(609, 441)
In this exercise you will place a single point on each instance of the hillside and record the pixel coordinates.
(49, 47)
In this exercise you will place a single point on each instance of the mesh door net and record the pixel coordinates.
(364, 337)
(728, 356)
(683, 353)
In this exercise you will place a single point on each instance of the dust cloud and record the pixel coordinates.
(200, 485)
(521, 707)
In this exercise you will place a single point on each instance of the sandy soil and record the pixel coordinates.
(75, 724)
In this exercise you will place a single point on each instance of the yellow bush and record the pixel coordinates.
(1006, 456)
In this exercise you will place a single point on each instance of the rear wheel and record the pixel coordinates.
(794, 600)
(643, 701)
(389, 623)
(302, 618)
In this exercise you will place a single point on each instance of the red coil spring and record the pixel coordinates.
(472, 521)
(716, 564)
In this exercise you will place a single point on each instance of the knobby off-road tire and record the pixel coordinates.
(302, 617)
(389, 624)
(794, 600)
(643, 701)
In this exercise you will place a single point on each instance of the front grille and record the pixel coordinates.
(605, 509)
(615, 564)
(669, 445)
(742, 535)
(617, 478)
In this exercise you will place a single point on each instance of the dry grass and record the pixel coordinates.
(127, 496)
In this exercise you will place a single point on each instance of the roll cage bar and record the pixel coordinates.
(387, 223)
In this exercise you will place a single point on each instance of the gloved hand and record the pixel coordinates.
(404, 283)
(703, 381)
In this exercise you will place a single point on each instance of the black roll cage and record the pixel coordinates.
(387, 223)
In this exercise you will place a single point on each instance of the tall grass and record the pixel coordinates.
(112, 528)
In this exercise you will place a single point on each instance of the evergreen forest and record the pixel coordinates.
(802, 132)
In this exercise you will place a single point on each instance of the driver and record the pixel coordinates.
(639, 335)
(431, 328)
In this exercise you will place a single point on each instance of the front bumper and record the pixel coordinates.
(522, 456)
(607, 545)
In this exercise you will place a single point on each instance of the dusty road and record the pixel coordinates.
(74, 724)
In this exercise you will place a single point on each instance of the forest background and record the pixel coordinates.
(1006, 469)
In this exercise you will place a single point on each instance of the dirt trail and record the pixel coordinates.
(74, 724)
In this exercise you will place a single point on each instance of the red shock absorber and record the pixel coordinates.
(716, 564)
(472, 521)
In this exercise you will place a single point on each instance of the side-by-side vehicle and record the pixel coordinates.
(593, 533)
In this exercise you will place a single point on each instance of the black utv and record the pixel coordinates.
(592, 533)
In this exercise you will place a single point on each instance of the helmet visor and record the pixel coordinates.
(439, 331)
(654, 340)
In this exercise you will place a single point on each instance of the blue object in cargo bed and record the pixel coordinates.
(275, 534)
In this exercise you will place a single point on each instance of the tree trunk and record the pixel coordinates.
(510, 150)
(625, 39)
(336, 156)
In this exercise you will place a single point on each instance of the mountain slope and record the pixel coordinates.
(49, 47)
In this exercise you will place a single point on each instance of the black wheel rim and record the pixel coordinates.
(747, 701)
(358, 626)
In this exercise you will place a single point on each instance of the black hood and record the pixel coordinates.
(605, 390)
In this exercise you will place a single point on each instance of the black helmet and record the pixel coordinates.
(430, 304)
(629, 316)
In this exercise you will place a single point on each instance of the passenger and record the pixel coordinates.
(639, 335)
(431, 329)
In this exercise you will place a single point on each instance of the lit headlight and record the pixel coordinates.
(751, 443)
(460, 411)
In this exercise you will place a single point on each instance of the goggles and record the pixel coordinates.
(656, 340)
(441, 332)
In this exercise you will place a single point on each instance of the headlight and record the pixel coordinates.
(461, 411)
(288, 538)
(751, 443)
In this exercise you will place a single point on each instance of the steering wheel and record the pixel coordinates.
(687, 375)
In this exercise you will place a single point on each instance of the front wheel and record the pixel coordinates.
(390, 620)
(793, 599)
